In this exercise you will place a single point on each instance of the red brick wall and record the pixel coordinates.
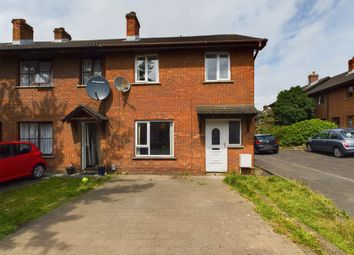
(180, 90)
(336, 105)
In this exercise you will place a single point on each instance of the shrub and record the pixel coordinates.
(298, 133)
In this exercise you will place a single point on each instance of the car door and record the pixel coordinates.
(315, 142)
(22, 159)
(333, 140)
(323, 138)
(5, 159)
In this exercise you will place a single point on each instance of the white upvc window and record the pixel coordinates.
(217, 66)
(147, 69)
(235, 133)
(154, 138)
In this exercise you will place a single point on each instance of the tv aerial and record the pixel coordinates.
(97, 87)
(122, 84)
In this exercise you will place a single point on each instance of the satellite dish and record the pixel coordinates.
(122, 84)
(97, 87)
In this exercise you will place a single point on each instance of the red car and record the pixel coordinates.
(19, 159)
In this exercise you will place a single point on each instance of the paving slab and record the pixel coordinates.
(140, 214)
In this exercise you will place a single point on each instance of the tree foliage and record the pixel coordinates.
(292, 106)
(265, 121)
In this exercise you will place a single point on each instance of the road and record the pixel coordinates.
(324, 173)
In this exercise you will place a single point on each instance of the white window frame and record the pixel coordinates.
(147, 145)
(217, 66)
(321, 99)
(228, 133)
(146, 71)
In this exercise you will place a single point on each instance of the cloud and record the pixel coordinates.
(303, 35)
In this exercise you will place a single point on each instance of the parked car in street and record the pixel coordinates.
(265, 143)
(338, 141)
(20, 159)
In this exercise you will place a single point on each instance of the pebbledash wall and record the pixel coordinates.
(181, 88)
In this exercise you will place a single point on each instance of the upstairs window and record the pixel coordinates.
(35, 73)
(350, 91)
(146, 69)
(217, 66)
(90, 67)
(320, 100)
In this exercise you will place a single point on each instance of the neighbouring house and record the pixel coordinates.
(190, 108)
(334, 96)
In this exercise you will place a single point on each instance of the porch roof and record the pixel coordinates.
(246, 109)
(84, 112)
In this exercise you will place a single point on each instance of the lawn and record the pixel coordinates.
(293, 209)
(27, 203)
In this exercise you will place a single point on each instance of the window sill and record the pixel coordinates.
(34, 87)
(219, 82)
(154, 158)
(349, 98)
(81, 86)
(236, 146)
(145, 83)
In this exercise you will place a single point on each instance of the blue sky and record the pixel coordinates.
(304, 36)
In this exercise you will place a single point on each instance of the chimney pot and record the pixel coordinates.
(351, 65)
(22, 33)
(313, 77)
(133, 26)
(60, 35)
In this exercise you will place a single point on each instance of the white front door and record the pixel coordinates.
(216, 145)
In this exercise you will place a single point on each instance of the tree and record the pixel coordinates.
(264, 121)
(292, 106)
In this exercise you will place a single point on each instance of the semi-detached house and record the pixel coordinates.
(190, 107)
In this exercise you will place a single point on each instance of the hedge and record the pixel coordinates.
(298, 133)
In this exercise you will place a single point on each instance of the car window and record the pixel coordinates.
(20, 149)
(333, 135)
(265, 138)
(348, 133)
(5, 151)
(323, 135)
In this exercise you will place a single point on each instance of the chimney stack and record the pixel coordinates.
(133, 27)
(351, 65)
(22, 33)
(313, 77)
(60, 35)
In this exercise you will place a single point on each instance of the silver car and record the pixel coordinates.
(339, 141)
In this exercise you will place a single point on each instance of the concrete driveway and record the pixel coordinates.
(152, 215)
(324, 173)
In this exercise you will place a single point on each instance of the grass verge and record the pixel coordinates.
(296, 211)
(27, 203)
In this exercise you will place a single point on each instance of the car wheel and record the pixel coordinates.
(38, 171)
(308, 148)
(337, 152)
(276, 151)
(256, 151)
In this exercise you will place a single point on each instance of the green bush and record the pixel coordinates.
(298, 133)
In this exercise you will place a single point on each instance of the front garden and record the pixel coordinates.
(24, 204)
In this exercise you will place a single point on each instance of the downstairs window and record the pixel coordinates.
(38, 133)
(154, 138)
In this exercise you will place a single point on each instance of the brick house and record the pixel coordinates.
(190, 107)
(334, 96)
